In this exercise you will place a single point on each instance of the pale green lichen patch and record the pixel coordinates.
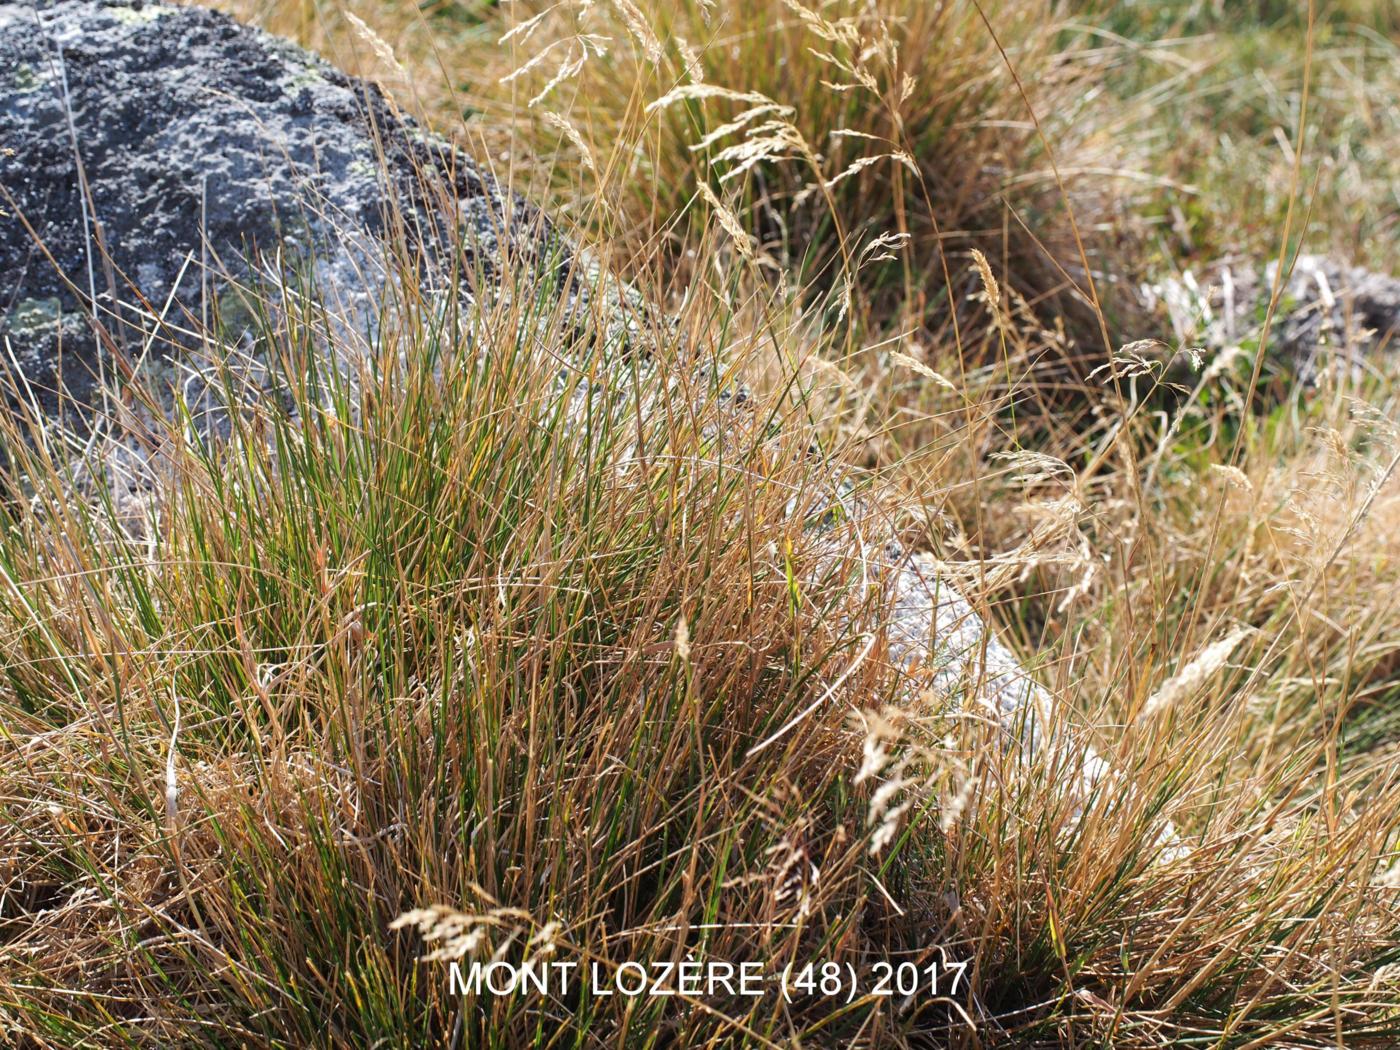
(141, 15)
(34, 316)
(306, 75)
(302, 69)
(232, 311)
(27, 78)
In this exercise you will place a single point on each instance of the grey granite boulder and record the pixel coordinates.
(151, 155)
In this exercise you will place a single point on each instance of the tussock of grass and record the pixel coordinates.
(508, 633)
(418, 635)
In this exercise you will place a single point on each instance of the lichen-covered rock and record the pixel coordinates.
(1329, 314)
(150, 150)
(935, 630)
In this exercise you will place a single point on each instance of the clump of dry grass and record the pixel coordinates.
(416, 638)
(832, 131)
